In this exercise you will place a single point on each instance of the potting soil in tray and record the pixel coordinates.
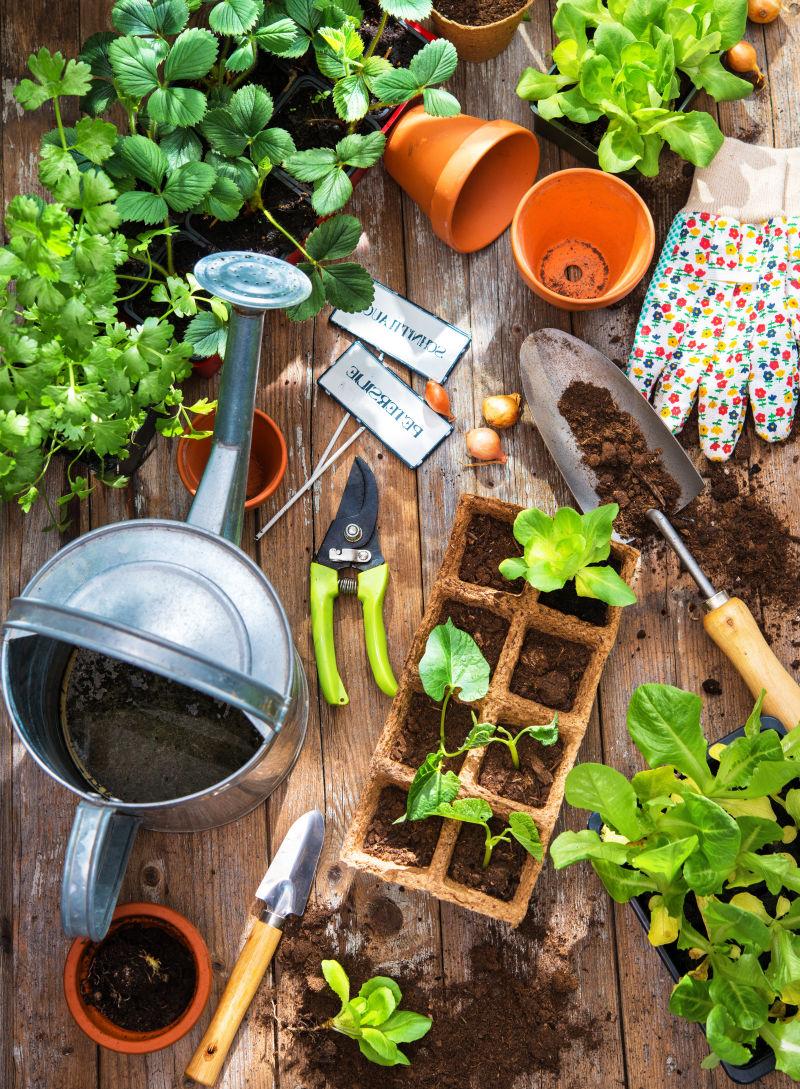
(398, 44)
(529, 783)
(501, 877)
(141, 977)
(139, 737)
(420, 733)
(488, 629)
(252, 231)
(309, 116)
(489, 542)
(549, 670)
(411, 843)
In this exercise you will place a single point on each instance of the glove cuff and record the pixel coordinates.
(749, 183)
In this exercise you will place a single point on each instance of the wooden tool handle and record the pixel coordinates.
(236, 998)
(734, 630)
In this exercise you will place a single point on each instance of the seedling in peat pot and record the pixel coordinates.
(486, 733)
(453, 665)
(520, 827)
(568, 546)
(374, 1017)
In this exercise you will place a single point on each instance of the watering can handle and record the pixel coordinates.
(100, 842)
(151, 652)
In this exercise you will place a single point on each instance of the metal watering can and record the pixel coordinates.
(106, 592)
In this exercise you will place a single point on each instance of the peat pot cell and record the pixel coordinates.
(530, 783)
(501, 877)
(549, 670)
(419, 733)
(409, 844)
(489, 542)
(588, 609)
(488, 629)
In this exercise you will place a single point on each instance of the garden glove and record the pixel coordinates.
(720, 319)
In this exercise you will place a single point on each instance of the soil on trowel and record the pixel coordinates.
(567, 600)
(420, 733)
(501, 877)
(549, 670)
(488, 629)
(489, 541)
(628, 472)
(478, 12)
(515, 979)
(141, 977)
(529, 783)
(409, 844)
(139, 737)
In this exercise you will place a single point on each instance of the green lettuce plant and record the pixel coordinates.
(373, 1017)
(707, 837)
(565, 547)
(622, 60)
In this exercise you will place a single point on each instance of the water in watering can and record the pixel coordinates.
(139, 737)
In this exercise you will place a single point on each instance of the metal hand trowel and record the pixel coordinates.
(550, 361)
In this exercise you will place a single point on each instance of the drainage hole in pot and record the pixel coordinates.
(549, 670)
(489, 541)
(141, 977)
(419, 734)
(408, 844)
(573, 272)
(501, 877)
(530, 783)
(487, 628)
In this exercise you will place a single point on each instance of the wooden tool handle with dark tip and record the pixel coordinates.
(246, 976)
(735, 631)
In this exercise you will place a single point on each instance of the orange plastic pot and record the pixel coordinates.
(267, 458)
(98, 1027)
(479, 43)
(467, 175)
(582, 239)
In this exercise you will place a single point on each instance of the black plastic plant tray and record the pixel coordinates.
(674, 960)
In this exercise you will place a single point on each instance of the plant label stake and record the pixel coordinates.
(284, 891)
(114, 591)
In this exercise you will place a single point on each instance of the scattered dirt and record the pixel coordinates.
(549, 670)
(711, 686)
(477, 12)
(588, 609)
(409, 844)
(488, 629)
(574, 269)
(501, 877)
(141, 977)
(251, 231)
(421, 730)
(489, 542)
(531, 782)
(628, 472)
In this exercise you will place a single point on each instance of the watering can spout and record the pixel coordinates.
(252, 283)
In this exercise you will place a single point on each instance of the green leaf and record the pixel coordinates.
(467, 810)
(439, 103)
(534, 85)
(379, 1049)
(407, 9)
(381, 1004)
(181, 146)
(233, 17)
(784, 967)
(742, 989)
(784, 1039)
(719, 840)
(605, 584)
(694, 135)
(664, 724)
(667, 860)
(395, 87)
(453, 662)
(177, 107)
(348, 286)
(315, 301)
(622, 883)
(720, 1032)
(721, 84)
(572, 847)
(336, 978)
(729, 923)
(207, 334)
(145, 18)
(272, 144)
(525, 832)
(361, 151)
(378, 982)
(430, 788)
(135, 64)
(334, 238)
(53, 77)
(140, 207)
(191, 55)
(311, 165)
(434, 63)
(594, 786)
(515, 568)
(332, 192)
(144, 159)
(480, 734)
(94, 138)
(690, 1000)
(351, 97)
(403, 1027)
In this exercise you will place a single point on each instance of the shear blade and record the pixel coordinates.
(358, 506)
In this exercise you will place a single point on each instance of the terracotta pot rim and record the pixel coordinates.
(484, 26)
(460, 167)
(103, 1031)
(260, 497)
(624, 285)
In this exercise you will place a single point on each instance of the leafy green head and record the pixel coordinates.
(565, 547)
(373, 1017)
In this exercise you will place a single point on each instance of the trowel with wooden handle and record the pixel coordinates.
(552, 360)
(284, 891)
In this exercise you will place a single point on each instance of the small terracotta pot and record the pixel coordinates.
(98, 1027)
(479, 43)
(467, 175)
(582, 239)
(267, 458)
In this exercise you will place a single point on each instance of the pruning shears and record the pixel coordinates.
(351, 543)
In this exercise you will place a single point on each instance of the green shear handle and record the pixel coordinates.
(371, 589)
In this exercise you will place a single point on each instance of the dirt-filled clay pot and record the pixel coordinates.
(582, 239)
(267, 458)
(467, 175)
(145, 985)
(479, 40)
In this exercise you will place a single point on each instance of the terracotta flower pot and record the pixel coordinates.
(207, 367)
(582, 239)
(479, 43)
(467, 175)
(267, 458)
(98, 1027)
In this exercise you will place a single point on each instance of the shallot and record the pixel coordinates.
(483, 444)
(743, 60)
(501, 410)
(763, 11)
(437, 397)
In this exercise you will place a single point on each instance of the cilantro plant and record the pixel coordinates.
(708, 838)
(374, 1017)
(566, 547)
(624, 60)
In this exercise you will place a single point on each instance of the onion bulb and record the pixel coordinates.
(438, 399)
(483, 444)
(742, 58)
(502, 410)
(763, 11)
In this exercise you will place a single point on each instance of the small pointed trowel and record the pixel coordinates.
(552, 360)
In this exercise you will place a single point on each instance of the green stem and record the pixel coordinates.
(241, 77)
(512, 746)
(442, 738)
(271, 218)
(378, 35)
(489, 847)
(170, 262)
(60, 124)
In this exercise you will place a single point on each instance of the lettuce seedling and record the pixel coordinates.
(374, 1017)
(568, 546)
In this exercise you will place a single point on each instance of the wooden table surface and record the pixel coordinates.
(211, 876)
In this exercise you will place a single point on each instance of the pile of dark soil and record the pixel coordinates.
(501, 877)
(549, 670)
(252, 231)
(409, 844)
(518, 1016)
(628, 472)
(398, 45)
(489, 542)
(531, 782)
(477, 12)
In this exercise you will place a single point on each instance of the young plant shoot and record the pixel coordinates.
(705, 839)
(373, 1017)
(565, 547)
